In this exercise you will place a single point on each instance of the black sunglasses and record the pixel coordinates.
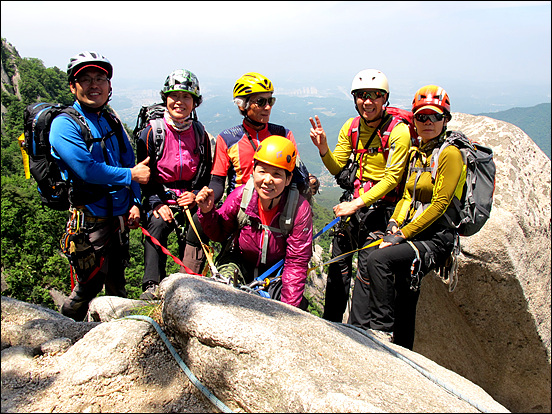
(262, 102)
(369, 94)
(432, 117)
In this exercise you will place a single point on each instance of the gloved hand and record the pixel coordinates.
(390, 225)
(394, 238)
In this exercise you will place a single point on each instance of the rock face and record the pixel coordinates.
(494, 328)
(253, 354)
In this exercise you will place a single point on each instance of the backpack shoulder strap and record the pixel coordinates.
(290, 209)
(117, 128)
(286, 218)
(248, 189)
(199, 132)
(158, 129)
(460, 141)
(385, 131)
(81, 121)
(205, 161)
(354, 131)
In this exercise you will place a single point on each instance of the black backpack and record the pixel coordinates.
(147, 114)
(55, 192)
(474, 207)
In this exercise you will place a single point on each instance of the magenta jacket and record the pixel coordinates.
(296, 249)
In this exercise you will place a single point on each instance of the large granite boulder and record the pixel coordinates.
(494, 328)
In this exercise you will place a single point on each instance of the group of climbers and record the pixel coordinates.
(392, 212)
(414, 238)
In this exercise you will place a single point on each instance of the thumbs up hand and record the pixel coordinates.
(141, 172)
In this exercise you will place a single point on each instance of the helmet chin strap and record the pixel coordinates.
(254, 123)
(378, 118)
(277, 198)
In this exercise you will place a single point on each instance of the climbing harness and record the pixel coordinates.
(218, 403)
(84, 259)
(167, 252)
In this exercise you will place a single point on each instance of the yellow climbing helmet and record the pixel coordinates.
(252, 82)
(277, 151)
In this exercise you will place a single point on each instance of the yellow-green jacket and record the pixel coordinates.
(432, 198)
(374, 166)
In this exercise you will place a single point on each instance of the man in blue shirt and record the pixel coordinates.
(105, 185)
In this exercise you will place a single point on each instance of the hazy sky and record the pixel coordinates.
(469, 48)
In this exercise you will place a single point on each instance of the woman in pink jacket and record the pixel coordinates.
(258, 243)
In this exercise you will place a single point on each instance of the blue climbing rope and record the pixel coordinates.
(218, 403)
(420, 369)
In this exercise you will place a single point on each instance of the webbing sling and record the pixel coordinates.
(166, 251)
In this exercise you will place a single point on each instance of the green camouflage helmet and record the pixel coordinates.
(182, 80)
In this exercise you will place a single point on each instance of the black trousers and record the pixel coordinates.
(104, 237)
(383, 298)
(350, 236)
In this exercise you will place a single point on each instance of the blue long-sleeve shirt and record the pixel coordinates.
(75, 160)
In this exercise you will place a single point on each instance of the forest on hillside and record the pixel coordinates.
(32, 261)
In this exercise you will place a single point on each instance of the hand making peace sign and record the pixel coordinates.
(318, 136)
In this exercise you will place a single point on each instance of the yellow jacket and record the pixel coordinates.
(432, 198)
(374, 167)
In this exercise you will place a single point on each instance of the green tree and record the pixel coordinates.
(31, 259)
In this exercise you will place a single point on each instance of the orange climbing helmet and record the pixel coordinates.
(431, 97)
(277, 151)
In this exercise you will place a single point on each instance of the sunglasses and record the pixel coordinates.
(262, 102)
(432, 117)
(373, 95)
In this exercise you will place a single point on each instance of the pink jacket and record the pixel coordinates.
(296, 249)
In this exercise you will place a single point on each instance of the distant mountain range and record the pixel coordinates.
(218, 113)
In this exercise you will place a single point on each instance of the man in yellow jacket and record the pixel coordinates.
(380, 143)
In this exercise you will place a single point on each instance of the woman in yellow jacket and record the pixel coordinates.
(419, 237)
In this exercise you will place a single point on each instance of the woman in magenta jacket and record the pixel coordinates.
(259, 243)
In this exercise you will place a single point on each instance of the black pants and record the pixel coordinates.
(104, 237)
(155, 260)
(350, 236)
(383, 299)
